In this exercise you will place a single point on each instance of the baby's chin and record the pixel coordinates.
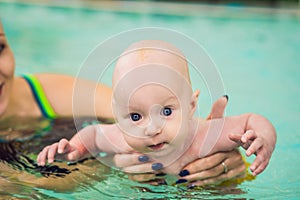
(160, 151)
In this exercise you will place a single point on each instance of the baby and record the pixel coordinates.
(154, 106)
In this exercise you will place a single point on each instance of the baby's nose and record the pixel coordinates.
(156, 122)
(152, 130)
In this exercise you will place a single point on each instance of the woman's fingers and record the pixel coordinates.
(126, 160)
(157, 181)
(149, 178)
(140, 168)
(211, 169)
(234, 173)
(145, 177)
(136, 163)
(218, 108)
(206, 174)
(144, 168)
(205, 163)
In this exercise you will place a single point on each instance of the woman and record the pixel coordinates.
(50, 95)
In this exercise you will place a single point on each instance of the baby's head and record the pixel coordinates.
(151, 52)
(152, 94)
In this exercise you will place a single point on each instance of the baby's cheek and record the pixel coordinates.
(176, 130)
(172, 130)
(135, 142)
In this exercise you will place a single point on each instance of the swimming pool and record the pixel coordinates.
(257, 52)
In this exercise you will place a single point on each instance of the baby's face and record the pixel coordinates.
(154, 118)
(152, 96)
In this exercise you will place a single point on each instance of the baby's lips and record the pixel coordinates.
(157, 146)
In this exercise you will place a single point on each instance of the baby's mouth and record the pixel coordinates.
(158, 146)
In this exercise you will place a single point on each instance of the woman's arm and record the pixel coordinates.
(70, 96)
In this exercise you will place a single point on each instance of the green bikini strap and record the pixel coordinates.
(40, 96)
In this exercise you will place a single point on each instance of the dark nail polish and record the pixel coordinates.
(157, 166)
(181, 181)
(160, 174)
(143, 158)
(184, 173)
(226, 96)
(192, 186)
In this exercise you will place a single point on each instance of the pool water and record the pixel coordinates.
(257, 52)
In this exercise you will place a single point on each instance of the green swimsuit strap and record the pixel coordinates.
(40, 96)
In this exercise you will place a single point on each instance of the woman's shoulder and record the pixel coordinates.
(50, 81)
(58, 89)
(45, 77)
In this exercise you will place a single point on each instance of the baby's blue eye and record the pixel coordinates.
(166, 111)
(135, 117)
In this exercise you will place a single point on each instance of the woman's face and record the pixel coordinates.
(7, 67)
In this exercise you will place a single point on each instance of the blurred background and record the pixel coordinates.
(254, 44)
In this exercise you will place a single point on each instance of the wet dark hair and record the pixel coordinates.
(10, 156)
(19, 153)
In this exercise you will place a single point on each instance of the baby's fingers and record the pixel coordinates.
(72, 156)
(51, 152)
(42, 157)
(248, 136)
(260, 168)
(63, 146)
(47, 152)
(259, 164)
(254, 146)
(235, 137)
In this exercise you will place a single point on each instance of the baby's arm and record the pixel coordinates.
(87, 142)
(259, 138)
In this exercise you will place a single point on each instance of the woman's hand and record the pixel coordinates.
(218, 167)
(208, 170)
(140, 168)
(214, 169)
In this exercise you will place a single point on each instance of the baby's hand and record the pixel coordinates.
(253, 143)
(63, 150)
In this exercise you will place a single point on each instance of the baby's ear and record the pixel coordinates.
(194, 101)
